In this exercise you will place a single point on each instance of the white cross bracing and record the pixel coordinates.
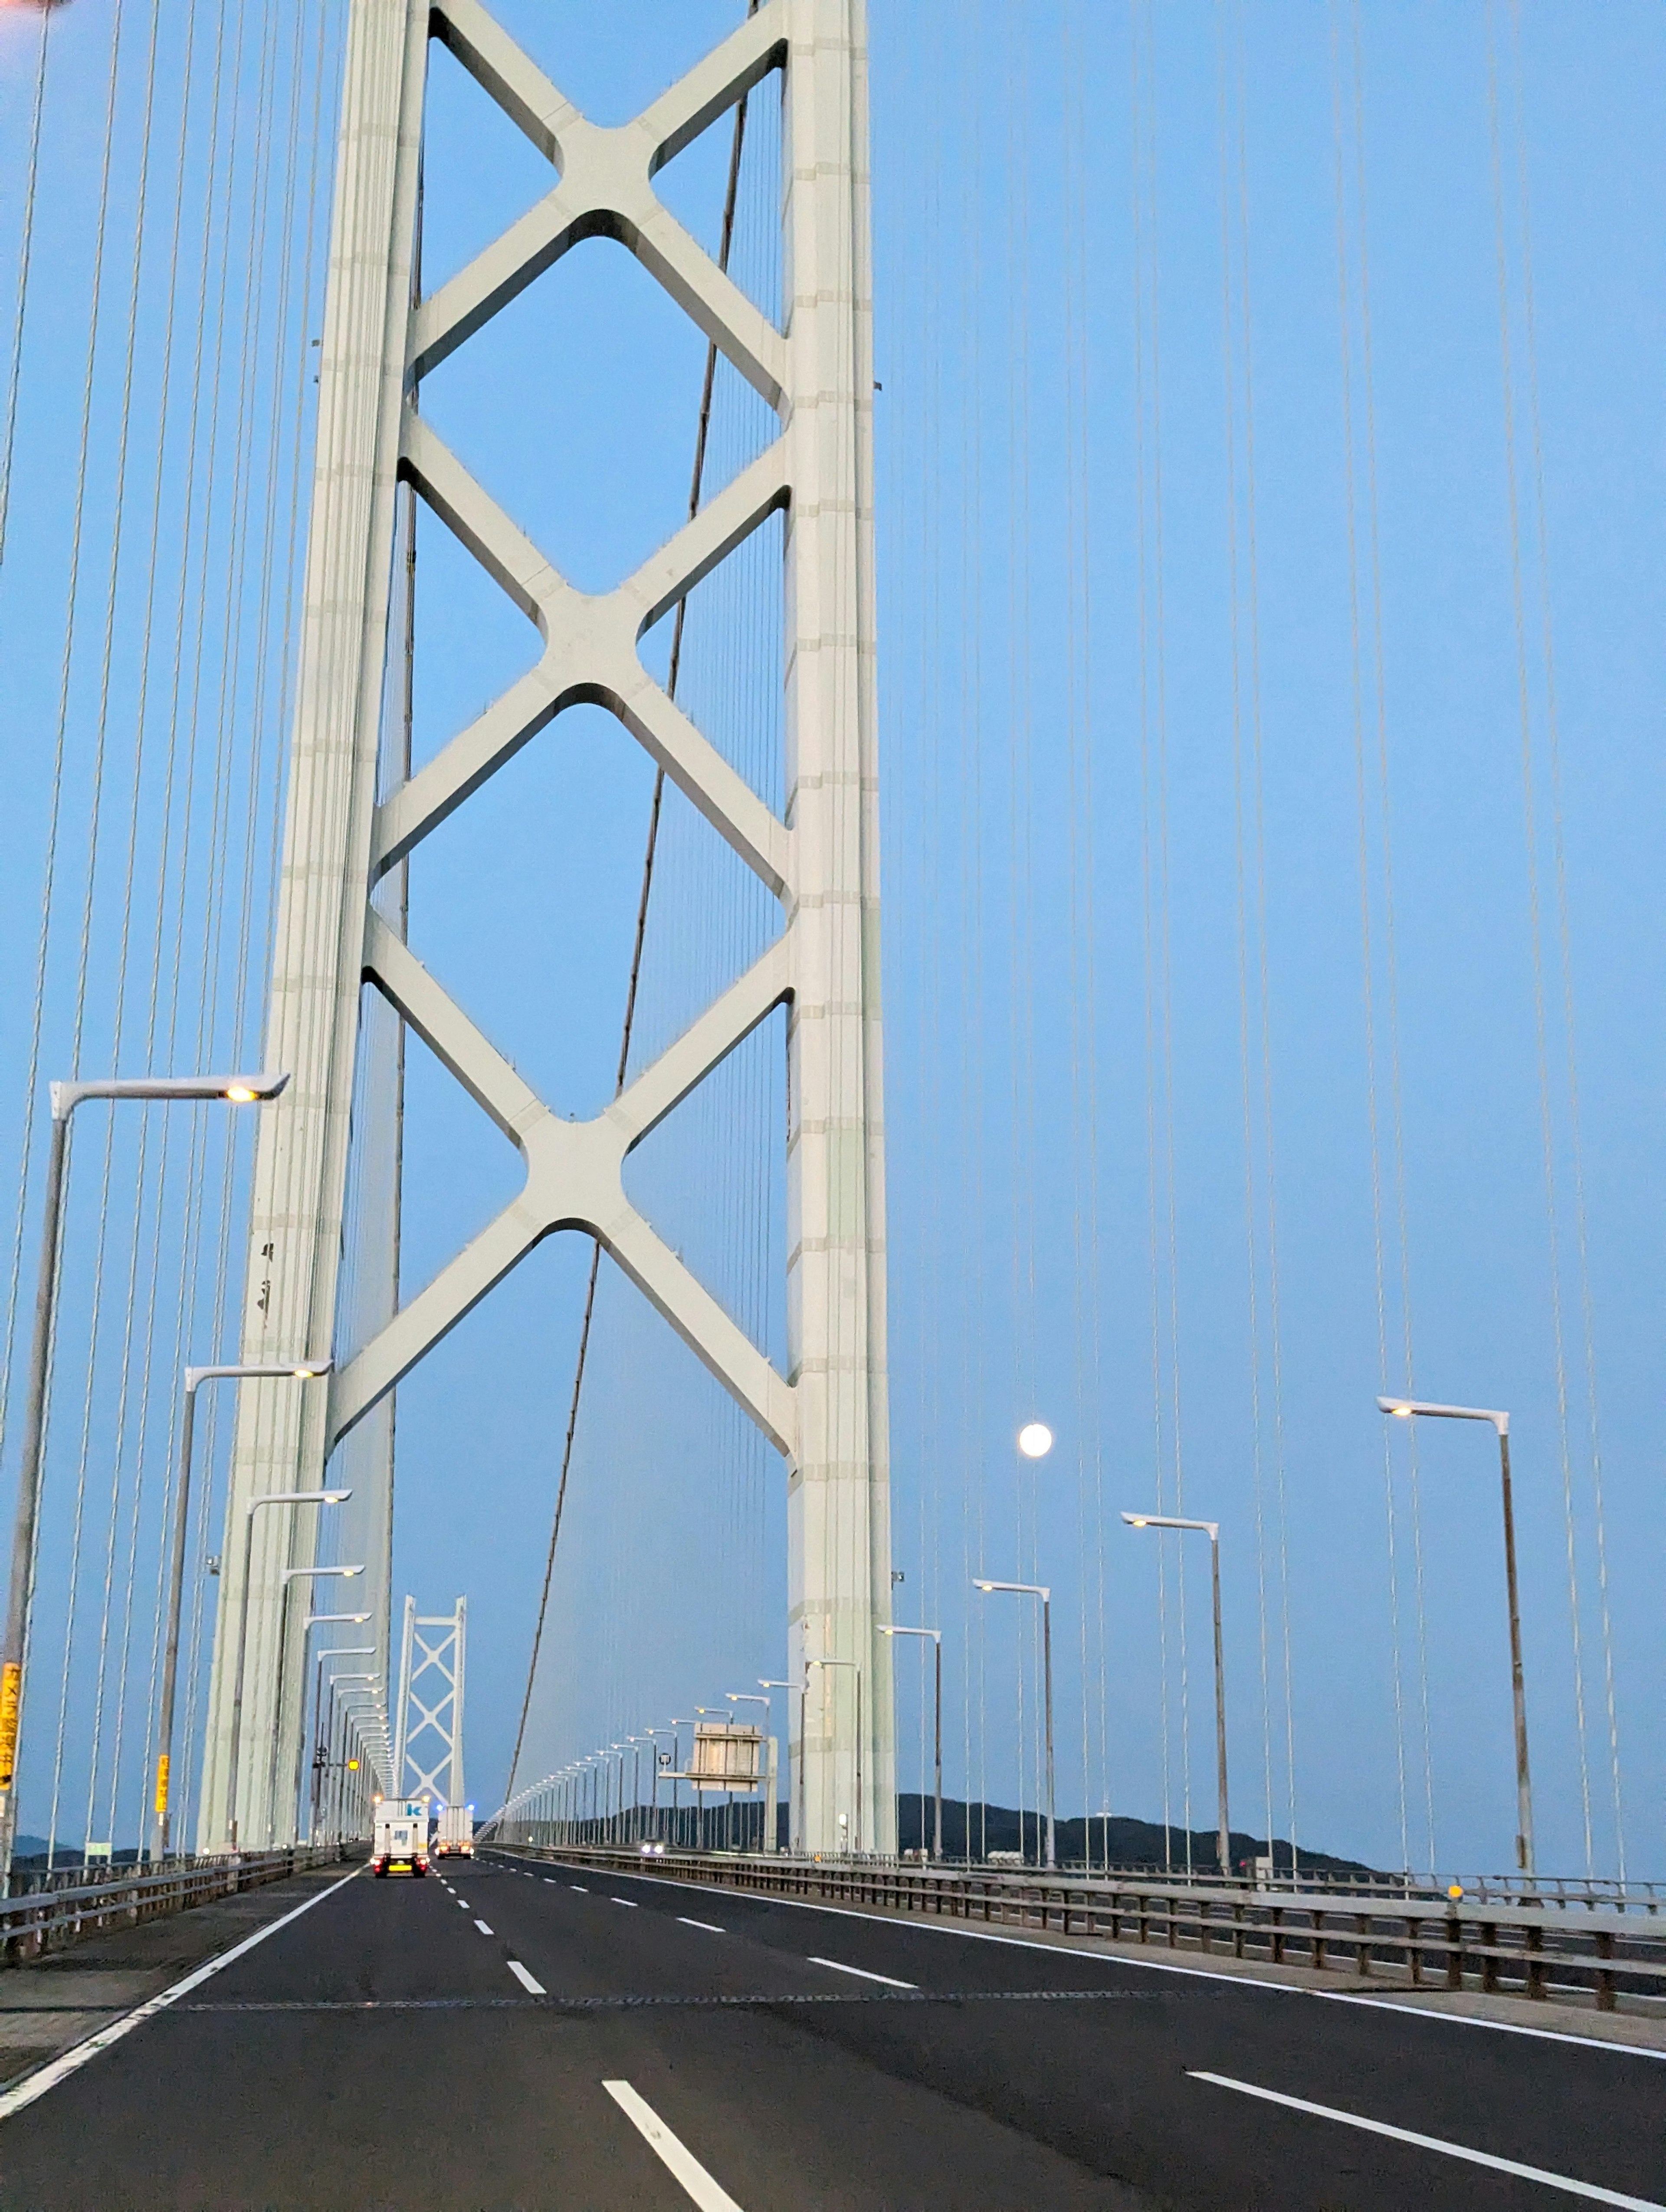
(828, 1417)
(441, 1778)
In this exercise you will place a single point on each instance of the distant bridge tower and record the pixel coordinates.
(428, 1741)
(339, 925)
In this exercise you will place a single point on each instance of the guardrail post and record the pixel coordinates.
(1604, 1979)
(1454, 1953)
(1489, 1964)
(1534, 1985)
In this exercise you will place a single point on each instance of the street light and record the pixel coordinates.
(800, 1686)
(1403, 1409)
(295, 1574)
(239, 1090)
(1042, 1591)
(856, 1837)
(767, 1805)
(618, 1818)
(271, 1497)
(290, 1575)
(936, 1636)
(1212, 1529)
(298, 1371)
(338, 1704)
(322, 1738)
(676, 1722)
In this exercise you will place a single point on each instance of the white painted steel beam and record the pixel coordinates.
(828, 1416)
(428, 1736)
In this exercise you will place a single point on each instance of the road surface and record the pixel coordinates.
(510, 2035)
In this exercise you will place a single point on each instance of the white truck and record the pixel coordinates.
(401, 1843)
(453, 1834)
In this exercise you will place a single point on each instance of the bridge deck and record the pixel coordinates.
(454, 2041)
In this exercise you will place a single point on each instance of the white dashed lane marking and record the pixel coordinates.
(629, 1901)
(706, 1924)
(532, 1989)
(862, 1974)
(1562, 2181)
(676, 2155)
(481, 1926)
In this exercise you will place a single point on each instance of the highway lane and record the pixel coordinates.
(386, 2048)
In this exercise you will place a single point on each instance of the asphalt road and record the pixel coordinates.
(389, 2048)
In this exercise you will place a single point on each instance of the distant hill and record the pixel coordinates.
(1129, 1842)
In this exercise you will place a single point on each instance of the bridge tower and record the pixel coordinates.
(339, 927)
(428, 1739)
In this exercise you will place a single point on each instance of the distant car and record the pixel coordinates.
(400, 1845)
(652, 1851)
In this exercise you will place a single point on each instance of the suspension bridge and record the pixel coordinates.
(829, 1006)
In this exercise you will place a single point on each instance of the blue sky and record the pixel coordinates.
(1237, 721)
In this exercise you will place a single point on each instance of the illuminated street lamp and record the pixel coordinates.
(1403, 1409)
(239, 1090)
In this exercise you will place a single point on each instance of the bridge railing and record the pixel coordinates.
(48, 1919)
(1572, 1893)
(1538, 1950)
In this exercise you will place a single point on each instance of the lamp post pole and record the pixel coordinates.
(238, 1090)
(766, 1795)
(290, 1575)
(306, 1371)
(855, 1665)
(1211, 1530)
(337, 1683)
(653, 1736)
(1042, 1591)
(676, 1768)
(271, 1497)
(764, 1683)
(936, 1636)
(320, 1755)
(1404, 1409)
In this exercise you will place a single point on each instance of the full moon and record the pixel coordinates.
(1034, 1440)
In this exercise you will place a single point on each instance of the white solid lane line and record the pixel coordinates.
(481, 1926)
(532, 1989)
(681, 2161)
(890, 1980)
(708, 1927)
(49, 2076)
(1569, 2188)
(630, 1901)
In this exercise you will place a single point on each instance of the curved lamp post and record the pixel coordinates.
(299, 1371)
(1211, 1530)
(936, 1636)
(1042, 1591)
(237, 1091)
(1403, 1409)
(271, 1497)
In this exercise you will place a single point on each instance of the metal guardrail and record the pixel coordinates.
(49, 1919)
(1570, 1892)
(1537, 1951)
